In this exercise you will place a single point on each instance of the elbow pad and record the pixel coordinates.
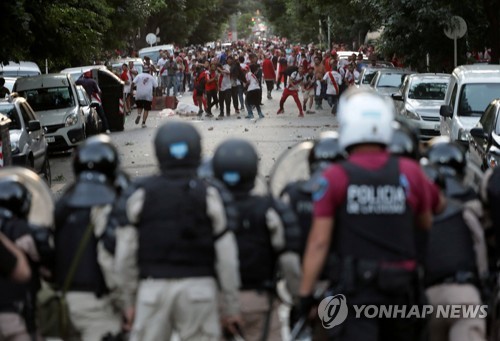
(293, 232)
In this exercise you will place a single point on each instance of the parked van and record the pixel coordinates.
(471, 89)
(55, 99)
(154, 52)
(21, 69)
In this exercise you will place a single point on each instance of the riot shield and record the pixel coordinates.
(291, 166)
(42, 203)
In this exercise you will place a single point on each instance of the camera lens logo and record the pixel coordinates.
(333, 311)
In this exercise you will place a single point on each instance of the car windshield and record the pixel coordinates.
(390, 80)
(427, 90)
(49, 98)
(474, 98)
(9, 110)
(368, 76)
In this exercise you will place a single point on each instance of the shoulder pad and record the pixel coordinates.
(290, 224)
(228, 202)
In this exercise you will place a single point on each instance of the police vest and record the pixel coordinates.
(71, 224)
(450, 248)
(256, 254)
(375, 222)
(302, 204)
(175, 234)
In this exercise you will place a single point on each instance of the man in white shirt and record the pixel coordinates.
(163, 77)
(254, 93)
(145, 83)
(225, 87)
(333, 81)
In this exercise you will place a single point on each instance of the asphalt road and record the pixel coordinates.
(271, 136)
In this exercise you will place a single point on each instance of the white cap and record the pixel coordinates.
(364, 117)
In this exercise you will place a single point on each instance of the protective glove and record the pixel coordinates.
(302, 309)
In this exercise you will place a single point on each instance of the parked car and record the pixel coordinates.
(77, 72)
(366, 76)
(388, 81)
(419, 100)
(153, 52)
(116, 65)
(471, 89)
(55, 99)
(21, 69)
(93, 122)
(29, 147)
(484, 141)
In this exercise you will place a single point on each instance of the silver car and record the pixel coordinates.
(419, 100)
(388, 81)
(54, 98)
(27, 140)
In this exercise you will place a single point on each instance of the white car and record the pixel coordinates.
(471, 89)
(420, 99)
(54, 98)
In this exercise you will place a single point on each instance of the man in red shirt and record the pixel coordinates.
(367, 211)
(211, 88)
(269, 74)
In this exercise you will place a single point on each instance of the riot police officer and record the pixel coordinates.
(456, 263)
(17, 301)
(450, 158)
(373, 202)
(267, 234)
(298, 194)
(80, 220)
(177, 241)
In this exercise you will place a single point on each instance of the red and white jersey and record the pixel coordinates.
(333, 81)
(294, 81)
(253, 82)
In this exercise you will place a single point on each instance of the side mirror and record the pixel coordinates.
(82, 102)
(478, 132)
(446, 111)
(397, 97)
(34, 125)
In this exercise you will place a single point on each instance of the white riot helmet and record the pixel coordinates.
(364, 117)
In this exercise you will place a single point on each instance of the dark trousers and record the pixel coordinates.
(234, 95)
(102, 115)
(225, 98)
(285, 78)
(269, 85)
(212, 99)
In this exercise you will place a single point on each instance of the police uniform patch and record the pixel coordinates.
(319, 188)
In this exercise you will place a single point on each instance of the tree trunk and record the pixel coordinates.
(492, 10)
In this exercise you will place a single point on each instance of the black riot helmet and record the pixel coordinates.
(448, 156)
(15, 197)
(404, 140)
(178, 146)
(433, 173)
(325, 151)
(98, 155)
(235, 163)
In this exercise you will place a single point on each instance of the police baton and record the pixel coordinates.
(298, 328)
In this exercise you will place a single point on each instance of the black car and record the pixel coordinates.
(29, 147)
(484, 141)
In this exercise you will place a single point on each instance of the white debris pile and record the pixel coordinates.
(186, 109)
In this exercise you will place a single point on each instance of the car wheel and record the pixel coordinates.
(46, 172)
